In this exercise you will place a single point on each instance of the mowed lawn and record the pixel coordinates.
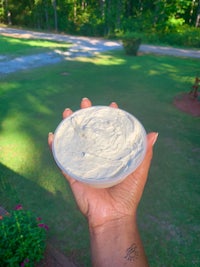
(31, 104)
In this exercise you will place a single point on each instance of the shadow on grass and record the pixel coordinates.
(9, 197)
(15, 189)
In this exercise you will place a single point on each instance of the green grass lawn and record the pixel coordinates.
(31, 103)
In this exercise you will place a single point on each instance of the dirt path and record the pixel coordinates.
(82, 46)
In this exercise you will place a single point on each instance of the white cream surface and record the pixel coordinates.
(99, 143)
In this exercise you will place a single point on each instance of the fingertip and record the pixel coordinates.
(114, 105)
(50, 135)
(50, 139)
(67, 112)
(152, 138)
(86, 103)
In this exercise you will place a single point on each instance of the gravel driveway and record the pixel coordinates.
(82, 46)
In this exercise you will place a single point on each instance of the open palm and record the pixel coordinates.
(105, 204)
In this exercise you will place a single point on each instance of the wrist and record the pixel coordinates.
(117, 243)
(113, 224)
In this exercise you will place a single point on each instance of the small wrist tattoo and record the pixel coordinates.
(132, 253)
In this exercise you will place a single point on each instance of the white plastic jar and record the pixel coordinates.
(99, 145)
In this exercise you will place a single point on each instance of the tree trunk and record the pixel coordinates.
(75, 11)
(197, 24)
(119, 10)
(55, 15)
(46, 15)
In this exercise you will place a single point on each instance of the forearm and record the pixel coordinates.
(117, 243)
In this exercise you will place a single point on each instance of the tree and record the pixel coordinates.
(102, 16)
(197, 24)
(55, 14)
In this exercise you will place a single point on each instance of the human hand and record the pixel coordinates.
(108, 204)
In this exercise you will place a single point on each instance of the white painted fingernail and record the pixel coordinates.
(155, 139)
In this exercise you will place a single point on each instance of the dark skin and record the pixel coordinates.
(110, 208)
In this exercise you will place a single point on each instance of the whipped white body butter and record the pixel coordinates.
(99, 145)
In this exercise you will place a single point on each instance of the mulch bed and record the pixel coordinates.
(187, 103)
(54, 258)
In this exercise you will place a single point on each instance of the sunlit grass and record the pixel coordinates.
(16, 151)
(16, 47)
(6, 87)
(101, 59)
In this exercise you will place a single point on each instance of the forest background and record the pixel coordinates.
(175, 22)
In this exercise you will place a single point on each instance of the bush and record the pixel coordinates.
(23, 238)
(184, 36)
(131, 43)
(178, 35)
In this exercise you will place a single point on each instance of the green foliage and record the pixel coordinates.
(131, 43)
(102, 18)
(130, 35)
(22, 239)
(184, 36)
(175, 23)
(2, 11)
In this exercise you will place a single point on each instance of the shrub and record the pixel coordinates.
(178, 35)
(131, 43)
(183, 36)
(23, 238)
